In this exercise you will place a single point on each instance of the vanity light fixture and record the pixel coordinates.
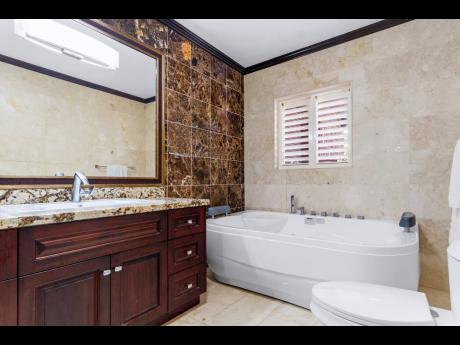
(64, 40)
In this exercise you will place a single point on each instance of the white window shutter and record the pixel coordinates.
(314, 129)
(332, 127)
(295, 132)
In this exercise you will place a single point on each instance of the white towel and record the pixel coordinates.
(117, 170)
(454, 194)
(454, 225)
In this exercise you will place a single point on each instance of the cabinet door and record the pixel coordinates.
(8, 254)
(139, 285)
(8, 303)
(77, 294)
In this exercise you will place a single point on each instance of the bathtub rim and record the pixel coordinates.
(408, 248)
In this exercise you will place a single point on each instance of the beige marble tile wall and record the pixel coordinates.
(49, 125)
(406, 118)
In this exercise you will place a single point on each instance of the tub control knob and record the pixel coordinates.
(360, 217)
(313, 213)
(324, 214)
(348, 216)
(336, 214)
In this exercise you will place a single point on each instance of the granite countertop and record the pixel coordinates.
(44, 216)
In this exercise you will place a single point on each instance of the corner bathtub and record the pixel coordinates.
(283, 255)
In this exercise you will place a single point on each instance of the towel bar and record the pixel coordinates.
(97, 166)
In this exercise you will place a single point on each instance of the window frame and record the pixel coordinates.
(312, 164)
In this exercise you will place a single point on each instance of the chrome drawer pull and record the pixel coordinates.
(118, 268)
(190, 221)
(189, 252)
(189, 286)
(106, 272)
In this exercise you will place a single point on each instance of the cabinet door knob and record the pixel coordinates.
(106, 272)
(118, 268)
(190, 221)
(189, 252)
(189, 286)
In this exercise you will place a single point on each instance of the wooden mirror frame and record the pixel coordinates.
(100, 26)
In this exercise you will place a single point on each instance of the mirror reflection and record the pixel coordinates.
(72, 98)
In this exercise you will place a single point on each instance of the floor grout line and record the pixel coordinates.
(266, 308)
(269, 314)
(224, 309)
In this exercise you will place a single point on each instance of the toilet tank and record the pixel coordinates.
(453, 253)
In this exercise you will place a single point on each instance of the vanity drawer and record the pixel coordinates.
(186, 286)
(55, 245)
(186, 221)
(185, 252)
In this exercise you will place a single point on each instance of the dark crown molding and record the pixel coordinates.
(365, 30)
(182, 30)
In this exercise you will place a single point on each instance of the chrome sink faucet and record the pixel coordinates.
(80, 179)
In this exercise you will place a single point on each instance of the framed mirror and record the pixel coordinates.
(76, 95)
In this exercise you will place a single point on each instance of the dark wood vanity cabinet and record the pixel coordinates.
(8, 277)
(8, 303)
(120, 270)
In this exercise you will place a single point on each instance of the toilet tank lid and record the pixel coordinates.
(454, 250)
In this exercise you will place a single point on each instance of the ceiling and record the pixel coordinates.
(251, 41)
(136, 75)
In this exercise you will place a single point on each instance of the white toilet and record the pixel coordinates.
(338, 303)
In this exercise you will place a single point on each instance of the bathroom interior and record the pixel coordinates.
(229, 172)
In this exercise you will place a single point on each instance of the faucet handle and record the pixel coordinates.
(87, 190)
(301, 210)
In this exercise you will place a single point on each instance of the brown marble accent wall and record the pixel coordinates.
(204, 117)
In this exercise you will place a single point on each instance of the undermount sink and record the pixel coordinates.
(30, 209)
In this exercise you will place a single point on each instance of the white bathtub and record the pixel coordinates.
(284, 255)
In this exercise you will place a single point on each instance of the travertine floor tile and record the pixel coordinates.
(184, 320)
(250, 310)
(215, 301)
(290, 315)
(225, 305)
